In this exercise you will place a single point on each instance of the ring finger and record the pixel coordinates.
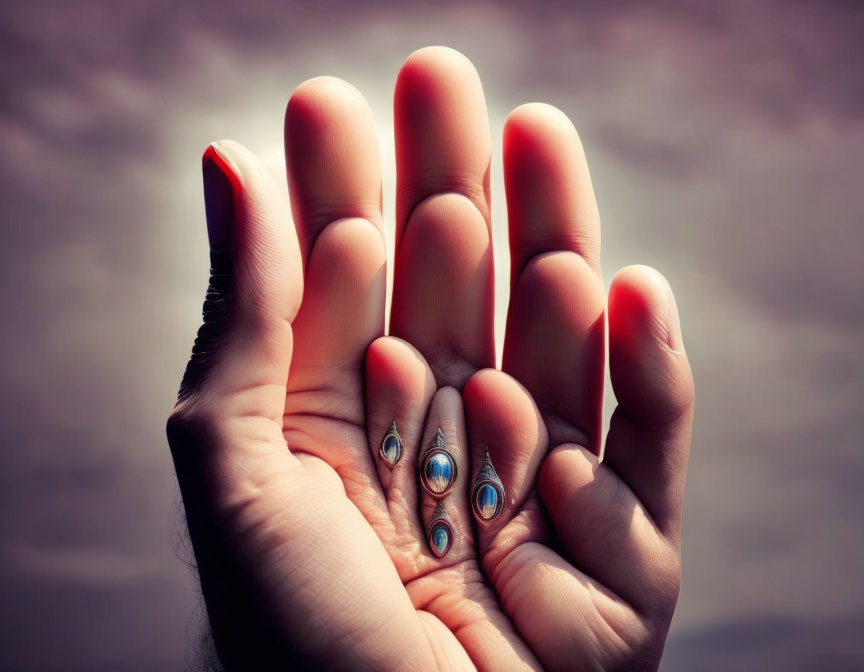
(555, 338)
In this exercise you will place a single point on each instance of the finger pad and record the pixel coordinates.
(556, 343)
(650, 379)
(443, 286)
(332, 154)
(442, 129)
(500, 411)
(549, 193)
(397, 369)
(343, 308)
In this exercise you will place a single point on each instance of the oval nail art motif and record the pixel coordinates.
(487, 499)
(438, 468)
(440, 535)
(391, 447)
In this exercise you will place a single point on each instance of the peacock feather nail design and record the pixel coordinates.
(487, 498)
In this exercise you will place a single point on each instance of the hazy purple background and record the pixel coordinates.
(726, 143)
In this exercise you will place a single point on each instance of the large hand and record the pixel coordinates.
(290, 568)
(584, 558)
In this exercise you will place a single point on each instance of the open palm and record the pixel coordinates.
(310, 550)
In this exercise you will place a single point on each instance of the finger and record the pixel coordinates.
(550, 199)
(570, 620)
(555, 337)
(399, 385)
(225, 432)
(504, 423)
(331, 151)
(443, 472)
(335, 184)
(606, 532)
(243, 350)
(453, 592)
(537, 588)
(649, 435)
(399, 389)
(443, 284)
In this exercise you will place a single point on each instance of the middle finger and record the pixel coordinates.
(443, 275)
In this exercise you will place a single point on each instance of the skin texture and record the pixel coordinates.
(312, 553)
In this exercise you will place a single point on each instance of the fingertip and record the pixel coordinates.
(256, 281)
(234, 158)
(449, 398)
(641, 303)
(481, 387)
(538, 121)
(224, 148)
(332, 156)
(324, 109)
(649, 369)
(540, 138)
(222, 190)
(247, 210)
(506, 430)
(562, 471)
(435, 61)
(399, 389)
(500, 406)
(221, 150)
(443, 286)
(550, 198)
(395, 364)
(227, 163)
(250, 179)
(443, 141)
(313, 101)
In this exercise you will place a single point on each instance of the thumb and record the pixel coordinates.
(226, 430)
(242, 352)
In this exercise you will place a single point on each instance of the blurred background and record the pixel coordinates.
(726, 141)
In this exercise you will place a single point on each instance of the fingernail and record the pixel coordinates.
(219, 204)
(673, 321)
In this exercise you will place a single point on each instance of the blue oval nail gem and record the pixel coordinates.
(438, 471)
(487, 501)
(391, 447)
(438, 468)
(440, 534)
(440, 539)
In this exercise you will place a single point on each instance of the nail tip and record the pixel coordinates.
(219, 199)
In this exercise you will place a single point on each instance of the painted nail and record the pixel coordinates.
(218, 201)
